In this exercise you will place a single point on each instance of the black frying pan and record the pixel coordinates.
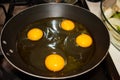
(90, 21)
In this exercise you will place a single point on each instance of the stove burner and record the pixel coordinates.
(62, 1)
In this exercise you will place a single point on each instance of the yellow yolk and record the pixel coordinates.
(84, 40)
(35, 34)
(67, 25)
(54, 62)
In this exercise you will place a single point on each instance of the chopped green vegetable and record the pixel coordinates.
(116, 15)
(118, 28)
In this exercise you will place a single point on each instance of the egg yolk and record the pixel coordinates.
(67, 25)
(54, 62)
(35, 34)
(84, 40)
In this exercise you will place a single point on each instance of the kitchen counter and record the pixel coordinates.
(114, 53)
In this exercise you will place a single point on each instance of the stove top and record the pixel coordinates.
(105, 71)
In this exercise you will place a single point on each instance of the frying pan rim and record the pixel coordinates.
(31, 74)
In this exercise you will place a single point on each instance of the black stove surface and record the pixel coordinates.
(105, 71)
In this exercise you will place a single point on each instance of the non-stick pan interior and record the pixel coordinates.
(16, 24)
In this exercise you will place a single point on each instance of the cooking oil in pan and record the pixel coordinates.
(55, 40)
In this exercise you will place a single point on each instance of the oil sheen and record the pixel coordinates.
(54, 40)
